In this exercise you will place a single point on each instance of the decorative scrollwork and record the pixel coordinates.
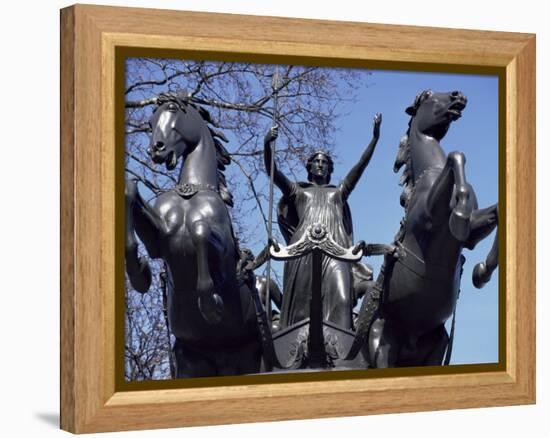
(317, 236)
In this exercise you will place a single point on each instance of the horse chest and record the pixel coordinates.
(174, 217)
(175, 238)
(177, 213)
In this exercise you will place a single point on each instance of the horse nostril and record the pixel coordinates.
(457, 95)
(159, 146)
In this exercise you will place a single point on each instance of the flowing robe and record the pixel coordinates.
(306, 204)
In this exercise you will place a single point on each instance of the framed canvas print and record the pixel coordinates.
(253, 207)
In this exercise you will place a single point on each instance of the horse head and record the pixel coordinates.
(431, 116)
(433, 112)
(176, 129)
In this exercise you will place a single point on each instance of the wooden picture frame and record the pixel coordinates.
(91, 399)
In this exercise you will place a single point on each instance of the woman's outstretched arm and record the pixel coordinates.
(352, 178)
(280, 180)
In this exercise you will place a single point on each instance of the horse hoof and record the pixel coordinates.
(211, 307)
(131, 189)
(459, 224)
(480, 275)
(141, 279)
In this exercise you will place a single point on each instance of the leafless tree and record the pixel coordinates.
(147, 345)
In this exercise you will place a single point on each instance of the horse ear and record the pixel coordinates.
(411, 110)
(420, 97)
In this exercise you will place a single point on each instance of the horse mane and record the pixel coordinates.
(403, 159)
(222, 155)
(407, 180)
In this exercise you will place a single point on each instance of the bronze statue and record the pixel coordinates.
(418, 290)
(317, 202)
(215, 301)
(210, 308)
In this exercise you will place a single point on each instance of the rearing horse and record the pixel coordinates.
(210, 311)
(419, 289)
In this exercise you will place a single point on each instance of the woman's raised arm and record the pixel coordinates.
(352, 178)
(280, 180)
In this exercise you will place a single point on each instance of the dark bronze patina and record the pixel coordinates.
(210, 308)
(317, 202)
(417, 291)
(221, 313)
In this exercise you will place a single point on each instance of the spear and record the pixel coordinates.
(275, 86)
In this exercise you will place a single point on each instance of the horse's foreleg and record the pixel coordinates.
(190, 363)
(432, 347)
(137, 267)
(483, 270)
(210, 303)
(149, 225)
(484, 221)
(452, 180)
(383, 346)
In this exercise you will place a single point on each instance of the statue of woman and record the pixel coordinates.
(317, 201)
